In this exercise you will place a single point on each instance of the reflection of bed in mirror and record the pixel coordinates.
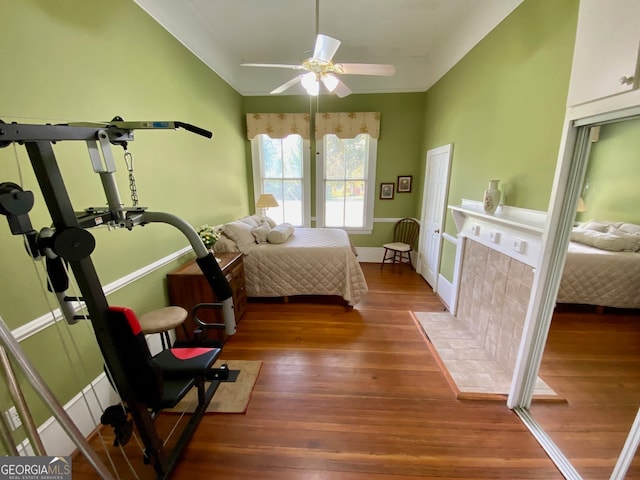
(602, 266)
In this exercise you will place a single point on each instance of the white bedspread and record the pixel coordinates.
(598, 277)
(314, 261)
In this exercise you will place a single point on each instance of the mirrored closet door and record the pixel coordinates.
(592, 354)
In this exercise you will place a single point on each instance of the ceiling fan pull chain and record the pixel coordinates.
(128, 160)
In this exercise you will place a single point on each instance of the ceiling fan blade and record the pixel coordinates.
(365, 69)
(285, 86)
(274, 65)
(326, 47)
(341, 89)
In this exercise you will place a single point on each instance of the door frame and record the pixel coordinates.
(448, 149)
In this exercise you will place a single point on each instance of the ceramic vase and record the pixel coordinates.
(491, 196)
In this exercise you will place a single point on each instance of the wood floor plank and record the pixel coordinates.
(593, 360)
(354, 395)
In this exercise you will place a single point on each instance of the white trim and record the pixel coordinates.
(445, 291)
(55, 440)
(450, 238)
(555, 454)
(515, 232)
(37, 325)
(370, 254)
(457, 271)
(628, 451)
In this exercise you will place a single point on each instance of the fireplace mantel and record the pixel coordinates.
(515, 232)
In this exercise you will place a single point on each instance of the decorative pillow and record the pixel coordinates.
(281, 233)
(598, 225)
(630, 228)
(240, 233)
(272, 223)
(250, 220)
(632, 239)
(224, 245)
(260, 233)
(605, 241)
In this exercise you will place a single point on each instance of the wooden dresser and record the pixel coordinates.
(188, 287)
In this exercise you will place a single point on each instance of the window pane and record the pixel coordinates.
(292, 204)
(292, 156)
(334, 203)
(272, 161)
(334, 162)
(354, 204)
(356, 157)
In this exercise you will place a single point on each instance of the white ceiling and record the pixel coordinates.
(422, 38)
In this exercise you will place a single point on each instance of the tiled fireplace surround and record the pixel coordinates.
(479, 344)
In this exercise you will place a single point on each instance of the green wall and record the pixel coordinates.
(399, 147)
(611, 185)
(502, 107)
(78, 60)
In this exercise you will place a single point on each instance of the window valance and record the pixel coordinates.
(278, 125)
(347, 124)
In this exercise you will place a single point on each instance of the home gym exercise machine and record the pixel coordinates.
(67, 242)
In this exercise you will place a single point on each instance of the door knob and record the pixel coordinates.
(436, 230)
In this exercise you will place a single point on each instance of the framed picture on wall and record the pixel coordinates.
(386, 191)
(404, 183)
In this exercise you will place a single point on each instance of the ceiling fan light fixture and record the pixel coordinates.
(310, 83)
(330, 81)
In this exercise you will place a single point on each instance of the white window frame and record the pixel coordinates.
(370, 189)
(258, 170)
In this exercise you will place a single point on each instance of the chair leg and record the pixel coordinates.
(384, 258)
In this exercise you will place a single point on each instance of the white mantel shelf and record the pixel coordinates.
(516, 232)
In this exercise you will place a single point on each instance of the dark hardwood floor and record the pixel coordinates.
(351, 395)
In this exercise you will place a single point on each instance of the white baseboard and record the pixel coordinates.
(375, 254)
(89, 403)
(370, 254)
(445, 291)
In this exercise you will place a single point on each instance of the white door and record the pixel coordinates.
(436, 185)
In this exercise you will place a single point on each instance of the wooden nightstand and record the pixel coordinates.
(188, 287)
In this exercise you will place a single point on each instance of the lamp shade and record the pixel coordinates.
(581, 206)
(266, 200)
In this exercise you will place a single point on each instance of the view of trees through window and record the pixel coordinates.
(345, 180)
(282, 176)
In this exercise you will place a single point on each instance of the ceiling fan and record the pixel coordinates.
(320, 68)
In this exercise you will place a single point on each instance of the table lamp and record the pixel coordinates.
(265, 201)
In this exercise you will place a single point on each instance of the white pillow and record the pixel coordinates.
(272, 223)
(281, 233)
(630, 228)
(598, 225)
(260, 233)
(604, 241)
(250, 220)
(240, 233)
(224, 245)
(632, 239)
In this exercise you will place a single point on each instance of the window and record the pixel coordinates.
(346, 182)
(281, 167)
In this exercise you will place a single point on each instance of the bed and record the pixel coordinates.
(309, 261)
(601, 269)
